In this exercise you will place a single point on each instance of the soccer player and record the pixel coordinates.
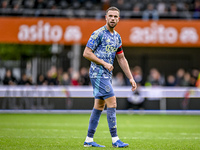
(101, 49)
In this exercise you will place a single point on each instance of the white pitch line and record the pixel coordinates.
(134, 133)
(121, 125)
(132, 138)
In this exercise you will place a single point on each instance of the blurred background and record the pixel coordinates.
(42, 41)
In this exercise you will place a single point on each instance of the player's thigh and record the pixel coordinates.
(111, 102)
(99, 104)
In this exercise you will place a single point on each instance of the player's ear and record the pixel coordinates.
(118, 19)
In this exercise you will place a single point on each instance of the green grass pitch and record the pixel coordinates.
(68, 131)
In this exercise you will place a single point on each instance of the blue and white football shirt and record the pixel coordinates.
(105, 45)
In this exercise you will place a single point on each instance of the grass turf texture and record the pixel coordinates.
(68, 131)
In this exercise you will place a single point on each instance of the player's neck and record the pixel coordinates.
(110, 29)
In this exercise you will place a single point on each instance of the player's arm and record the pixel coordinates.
(123, 63)
(88, 54)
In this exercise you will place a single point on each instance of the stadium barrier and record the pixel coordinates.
(86, 91)
(48, 92)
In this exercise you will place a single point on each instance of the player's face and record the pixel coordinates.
(112, 18)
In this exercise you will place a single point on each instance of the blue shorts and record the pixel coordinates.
(102, 88)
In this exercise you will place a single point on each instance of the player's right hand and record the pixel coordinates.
(109, 67)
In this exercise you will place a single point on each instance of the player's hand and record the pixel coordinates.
(109, 67)
(133, 84)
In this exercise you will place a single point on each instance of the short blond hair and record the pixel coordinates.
(113, 8)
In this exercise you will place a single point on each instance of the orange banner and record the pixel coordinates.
(173, 33)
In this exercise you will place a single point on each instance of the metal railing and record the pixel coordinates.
(150, 93)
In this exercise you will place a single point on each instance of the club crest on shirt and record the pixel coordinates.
(108, 40)
(107, 87)
(105, 76)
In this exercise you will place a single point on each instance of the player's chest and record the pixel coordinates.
(110, 43)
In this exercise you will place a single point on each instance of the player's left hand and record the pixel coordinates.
(133, 83)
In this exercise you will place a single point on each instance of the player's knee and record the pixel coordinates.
(102, 106)
(112, 105)
(115, 105)
(99, 106)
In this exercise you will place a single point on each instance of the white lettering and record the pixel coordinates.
(56, 33)
(154, 34)
(171, 35)
(136, 35)
(72, 33)
(47, 32)
(33, 33)
(23, 33)
(188, 35)
(161, 34)
(40, 32)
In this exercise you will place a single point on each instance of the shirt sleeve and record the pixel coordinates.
(120, 49)
(94, 40)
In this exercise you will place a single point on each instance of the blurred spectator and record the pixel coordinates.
(186, 79)
(118, 80)
(137, 75)
(25, 80)
(194, 77)
(150, 13)
(50, 81)
(196, 14)
(195, 73)
(186, 11)
(136, 9)
(155, 78)
(162, 8)
(4, 4)
(120, 5)
(59, 74)
(39, 4)
(41, 80)
(193, 81)
(51, 4)
(9, 79)
(28, 3)
(65, 79)
(53, 71)
(179, 76)
(105, 4)
(75, 79)
(84, 76)
(70, 71)
(171, 80)
(63, 4)
(173, 9)
(56, 76)
(52, 76)
(89, 5)
(16, 6)
(198, 81)
(186, 7)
